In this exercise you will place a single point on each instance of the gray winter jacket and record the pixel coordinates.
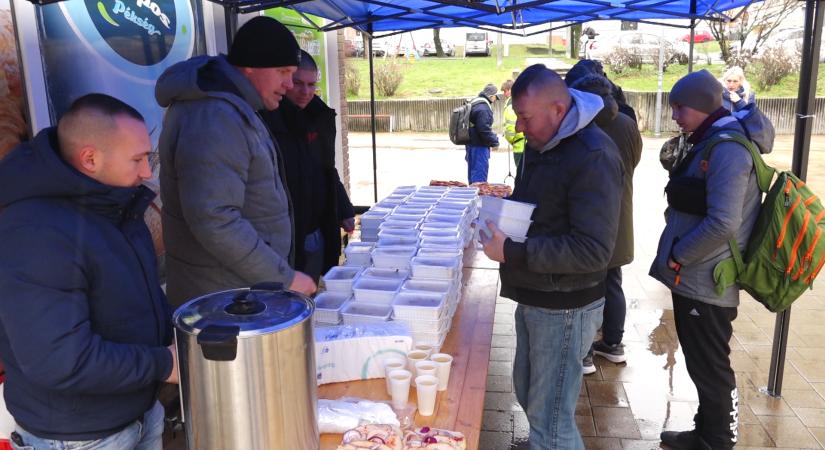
(226, 213)
(698, 243)
(576, 182)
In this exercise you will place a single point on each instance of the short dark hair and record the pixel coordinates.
(307, 62)
(594, 84)
(104, 104)
(537, 74)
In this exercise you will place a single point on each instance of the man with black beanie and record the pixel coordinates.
(721, 179)
(227, 217)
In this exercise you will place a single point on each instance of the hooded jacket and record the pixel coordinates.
(84, 324)
(306, 139)
(576, 182)
(226, 213)
(698, 243)
(481, 124)
(625, 134)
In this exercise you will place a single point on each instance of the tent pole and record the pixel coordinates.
(690, 45)
(801, 147)
(372, 118)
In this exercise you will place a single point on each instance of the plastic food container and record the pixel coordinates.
(328, 306)
(436, 339)
(372, 219)
(440, 252)
(509, 208)
(386, 240)
(404, 190)
(393, 257)
(385, 274)
(433, 189)
(509, 225)
(358, 253)
(417, 305)
(422, 200)
(411, 216)
(398, 223)
(414, 208)
(442, 217)
(440, 233)
(396, 231)
(435, 267)
(374, 290)
(465, 190)
(442, 243)
(432, 286)
(355, 313)
(340, 278)
(426, 326)
(452, 226)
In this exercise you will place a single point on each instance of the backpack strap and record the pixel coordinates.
(727, 271)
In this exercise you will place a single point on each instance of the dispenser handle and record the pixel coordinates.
(219, 342)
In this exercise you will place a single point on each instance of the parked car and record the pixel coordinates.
(354, 47)
(698, 37)
(446, 46)
(645, 45)
(789, 40)
(379, 47)
(477, 44)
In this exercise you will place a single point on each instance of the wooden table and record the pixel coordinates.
(461, 406)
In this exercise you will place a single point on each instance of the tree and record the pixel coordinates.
(439, 52)
(741, 38)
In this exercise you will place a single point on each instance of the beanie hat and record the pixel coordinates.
(698, 90)
(264, 42)
(489, 90)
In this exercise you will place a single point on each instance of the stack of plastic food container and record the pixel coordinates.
(410, 261)
(329, 304)
(511, 217)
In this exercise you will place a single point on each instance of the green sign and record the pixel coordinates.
(310, 39)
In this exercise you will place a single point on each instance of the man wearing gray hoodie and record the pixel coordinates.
(572, 172)
(227, 218)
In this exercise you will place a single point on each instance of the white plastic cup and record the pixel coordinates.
(426, 389)
(443, 363)
(426, 368)
(390, 364)
(400, 387)
(413, 357)
(425, 348)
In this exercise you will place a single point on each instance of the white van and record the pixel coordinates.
(477, 44)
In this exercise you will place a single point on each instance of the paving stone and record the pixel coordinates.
(503, 341)
(521, 426)
(499, 383)
(494, 440)
(500, 368)
(497, 421)
(501, 401)
(502, 354)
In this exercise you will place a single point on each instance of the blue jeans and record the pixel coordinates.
(478, 163)
(139, 435)
(547, 372)
(615, 308)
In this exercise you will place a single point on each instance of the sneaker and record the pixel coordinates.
(613, 353)
(680, 440)
(587, 365)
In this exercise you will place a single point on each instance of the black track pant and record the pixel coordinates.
(704, 333)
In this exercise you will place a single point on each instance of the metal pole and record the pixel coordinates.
(372, 119)
(657, 129)
(230, 19)
(801, 147)
(690, 46)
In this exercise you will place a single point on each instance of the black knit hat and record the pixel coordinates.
(698, 90)
(264, 42)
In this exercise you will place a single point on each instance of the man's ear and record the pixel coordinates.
(88, 159)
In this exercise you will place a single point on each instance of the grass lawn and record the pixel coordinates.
(465, 77)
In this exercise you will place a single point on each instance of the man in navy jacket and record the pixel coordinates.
(85, 329)
(482, 136)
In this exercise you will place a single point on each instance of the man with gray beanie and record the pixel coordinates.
(227, 217)
(712, 197)
(482, 136)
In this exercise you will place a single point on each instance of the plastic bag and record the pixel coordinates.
(338, 416)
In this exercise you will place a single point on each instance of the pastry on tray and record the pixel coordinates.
(434, 439)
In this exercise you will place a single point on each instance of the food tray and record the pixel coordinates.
(393, 257)
(355, 313)
(375, 290)
(509, 225)
(340, 278)
(417, 305)
(510, 208)
(386, 274)
(328, 306)
(435, 267)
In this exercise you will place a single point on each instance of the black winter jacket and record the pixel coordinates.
(306, 139)
(577, 187)
(84, 324)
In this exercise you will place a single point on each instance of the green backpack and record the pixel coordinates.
(785, 251)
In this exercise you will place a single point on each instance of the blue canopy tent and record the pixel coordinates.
(380, 18)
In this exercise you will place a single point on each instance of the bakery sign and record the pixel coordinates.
(119, 22)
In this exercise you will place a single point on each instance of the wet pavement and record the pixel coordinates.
(627, 405)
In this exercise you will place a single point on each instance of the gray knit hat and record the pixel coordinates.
(698, 90)
(489, 90)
